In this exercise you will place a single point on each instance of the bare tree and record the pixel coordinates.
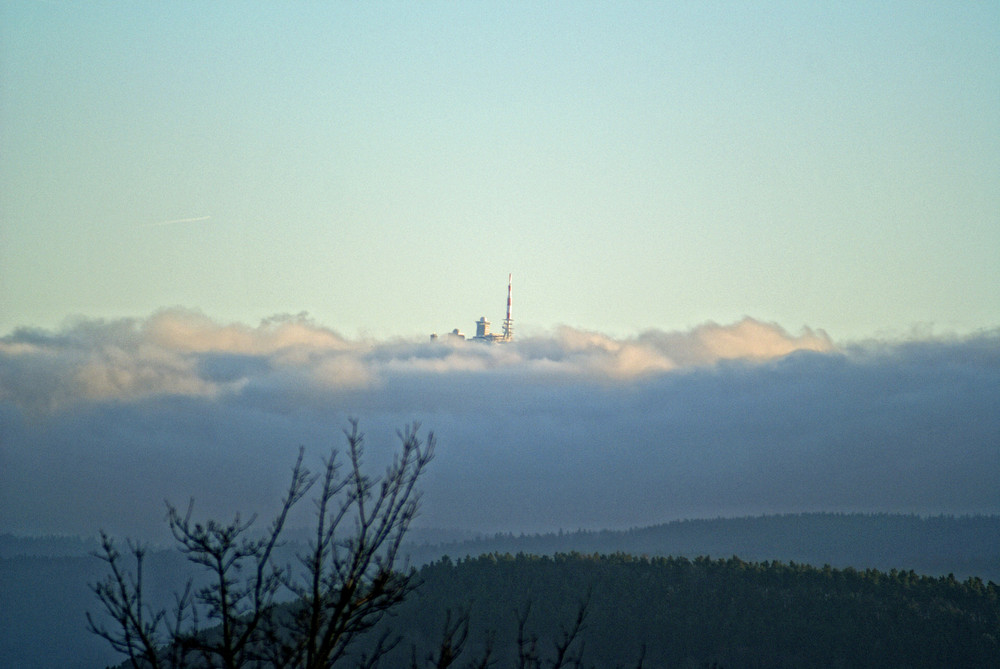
(454, 635)
(350, 577)
(528, 651)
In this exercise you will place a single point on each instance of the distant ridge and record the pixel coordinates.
(933, 545)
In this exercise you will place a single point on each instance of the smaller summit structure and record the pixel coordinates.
(483, 333)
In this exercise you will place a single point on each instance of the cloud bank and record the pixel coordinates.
(102, 420)
(184, 353)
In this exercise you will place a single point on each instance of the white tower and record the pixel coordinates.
(482, 328)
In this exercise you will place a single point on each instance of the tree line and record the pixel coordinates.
(964, 545)
(678, 612)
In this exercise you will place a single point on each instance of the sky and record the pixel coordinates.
(384, 166)
(753, 247)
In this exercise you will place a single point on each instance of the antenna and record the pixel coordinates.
(508, 324)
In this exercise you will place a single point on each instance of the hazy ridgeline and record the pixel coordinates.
(964, 546)
(45, 580)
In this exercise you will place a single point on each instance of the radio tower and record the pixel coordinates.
(508, 324)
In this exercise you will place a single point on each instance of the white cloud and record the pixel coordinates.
(178, 352)
(188, 331)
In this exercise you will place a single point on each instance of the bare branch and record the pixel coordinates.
(527, 646)
(351, 575)
(563, 656)
(453, 637)
(137, 629)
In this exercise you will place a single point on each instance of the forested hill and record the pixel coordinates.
(44, 582)
(940, 545)
(706, 612)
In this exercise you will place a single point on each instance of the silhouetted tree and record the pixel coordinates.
(348, 580)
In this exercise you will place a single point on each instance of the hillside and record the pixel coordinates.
(699, 612)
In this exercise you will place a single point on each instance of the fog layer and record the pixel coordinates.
(103, 420)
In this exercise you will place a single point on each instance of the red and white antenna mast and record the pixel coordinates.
(508, 324)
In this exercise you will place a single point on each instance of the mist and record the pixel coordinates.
(101, 421)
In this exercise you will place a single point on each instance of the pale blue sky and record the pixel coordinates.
(383, 166)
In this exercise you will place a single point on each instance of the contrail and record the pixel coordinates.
(178, 220)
